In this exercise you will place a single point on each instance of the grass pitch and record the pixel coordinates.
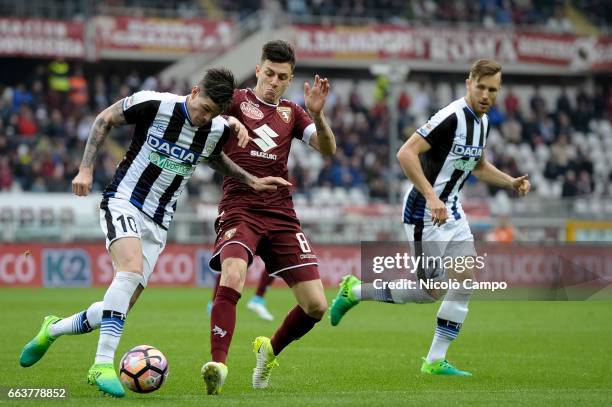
(521, 353)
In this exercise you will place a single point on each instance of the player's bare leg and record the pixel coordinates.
(234, 259)
(123, 291)
(301, 319)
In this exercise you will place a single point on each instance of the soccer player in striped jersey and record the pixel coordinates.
(172, 135)
(438, 158)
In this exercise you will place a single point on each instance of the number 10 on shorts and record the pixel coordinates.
(303, 242)
(130, 222)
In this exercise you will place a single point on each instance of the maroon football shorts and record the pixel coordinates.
(274, 235)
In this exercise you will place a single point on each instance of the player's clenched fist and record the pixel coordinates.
(269, 183)
(521, 185)
(438, 211)
(81, 184)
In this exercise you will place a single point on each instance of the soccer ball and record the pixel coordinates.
(143, 369)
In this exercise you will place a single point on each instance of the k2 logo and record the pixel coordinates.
(266, 138)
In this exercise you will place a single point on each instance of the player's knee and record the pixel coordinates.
(131, 265)
(435, 293)
(233, 273)
(316, 309)
(462, 272)
(232, 279)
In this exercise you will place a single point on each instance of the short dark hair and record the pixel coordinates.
(218, 84)
(484, 67)
(278, 51)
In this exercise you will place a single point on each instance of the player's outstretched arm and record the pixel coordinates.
(408, 157)
(224, 165)
(314, 98)
(239, 130)
(486, 172)
(110, 117)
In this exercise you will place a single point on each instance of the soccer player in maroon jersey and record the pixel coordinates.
(265, 224)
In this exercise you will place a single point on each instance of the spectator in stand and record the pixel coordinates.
(569, 189)
(511, 103)
(584, 184)
(564, 124)
(563, 102)
(26, 125)
(504, 232)
(584, 110)
(512, 129)
(21, 97)
(79, 95)
(537, 103)
(6, 174)
(39, 133)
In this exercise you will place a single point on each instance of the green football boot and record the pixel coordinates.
(37, 347)
(442, 367)
(345, 300)
(265, 362)
(103, 375)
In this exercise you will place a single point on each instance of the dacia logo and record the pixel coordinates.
(171, 149)
(467, 151)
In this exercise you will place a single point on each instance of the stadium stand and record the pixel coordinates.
(562, 144)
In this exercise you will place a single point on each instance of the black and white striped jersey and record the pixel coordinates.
(163, 154)
(457, 137)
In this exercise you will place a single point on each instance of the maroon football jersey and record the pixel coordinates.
(272, 128)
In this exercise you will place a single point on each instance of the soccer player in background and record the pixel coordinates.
(265, 223)
(438, 158)
(172, 135)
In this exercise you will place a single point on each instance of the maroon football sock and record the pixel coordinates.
(222, 322)
(264, 281)
(296, 324)
(216, 287)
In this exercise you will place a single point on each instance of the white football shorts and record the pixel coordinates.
(119, 218)
(453, 239)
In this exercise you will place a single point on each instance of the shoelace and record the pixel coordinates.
(265, 371)
(266, 368)
(94, 376)
(446, 364)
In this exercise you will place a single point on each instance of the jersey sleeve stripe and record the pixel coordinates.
(309, 131)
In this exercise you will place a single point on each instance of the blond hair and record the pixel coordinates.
(484, 67)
